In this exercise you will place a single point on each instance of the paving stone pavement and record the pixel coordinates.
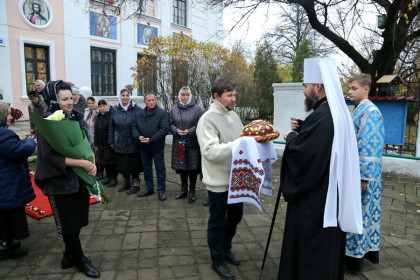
(144, 238)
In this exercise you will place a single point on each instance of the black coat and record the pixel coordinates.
(120, 129)
(153, 124)
(52, 175)
(309, 251)
(15, 183)
(185, 117)
(105, 154)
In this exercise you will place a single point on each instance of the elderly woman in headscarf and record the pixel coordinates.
(66, 192)
(90, 114)
(15, 186)
(186, 156)
(104, 154)
(79, 101)
(126, 147)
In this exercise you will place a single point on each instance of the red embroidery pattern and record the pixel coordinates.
(245, 195)
(245, 161)
(244, 179)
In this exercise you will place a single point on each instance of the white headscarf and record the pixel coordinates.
(125, 108)
(185, 88)
(344, 164)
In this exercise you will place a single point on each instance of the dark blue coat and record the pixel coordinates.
(120, 126)
(15, 183)
(153, 124)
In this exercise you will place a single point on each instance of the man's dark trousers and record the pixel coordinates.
(222, 224)
(147, 159)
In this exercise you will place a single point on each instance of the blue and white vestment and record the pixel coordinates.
(369, 126)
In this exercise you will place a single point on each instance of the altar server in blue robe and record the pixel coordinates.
(369, 127)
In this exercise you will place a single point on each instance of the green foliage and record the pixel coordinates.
(265, 75)
(304, 51)
(285, 73)
(180, 60)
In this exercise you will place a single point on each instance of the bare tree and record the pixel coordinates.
(347, 25)
(293, 28)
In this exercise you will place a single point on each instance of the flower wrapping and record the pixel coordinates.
(67, 139)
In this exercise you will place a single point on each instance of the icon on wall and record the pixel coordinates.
(145, 33)
(36, 13)
(103, 26)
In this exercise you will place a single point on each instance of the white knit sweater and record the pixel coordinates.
(216, 130)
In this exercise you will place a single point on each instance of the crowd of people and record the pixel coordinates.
(327, 189)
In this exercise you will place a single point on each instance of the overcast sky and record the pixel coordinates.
(251, 31)
(265, 18)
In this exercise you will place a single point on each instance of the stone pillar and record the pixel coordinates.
(288, 102)
(418, 137)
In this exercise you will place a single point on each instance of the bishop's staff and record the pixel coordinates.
(276, 207)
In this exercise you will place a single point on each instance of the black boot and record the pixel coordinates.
(99, 175)
(183, 193)
(125, 185)
(135, 186)
(67, 261)
(11, 250)
(106, 181)
(88, 269)
(191, 195)
(112, 183)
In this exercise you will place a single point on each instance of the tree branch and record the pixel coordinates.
(342, 44)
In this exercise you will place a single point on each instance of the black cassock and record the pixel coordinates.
(309, 251)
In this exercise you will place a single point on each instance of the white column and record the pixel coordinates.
(288, 102)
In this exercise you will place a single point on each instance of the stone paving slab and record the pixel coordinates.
(144, 238)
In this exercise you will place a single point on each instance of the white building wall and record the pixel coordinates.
(201, 25)
(70, 57)
(77, 42)
(206, 24)
(5, 73)
(165, 8)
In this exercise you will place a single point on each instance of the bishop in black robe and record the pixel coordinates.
(309, 250)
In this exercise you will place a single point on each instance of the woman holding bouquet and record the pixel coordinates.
(66, 192)
(15, 186)
(122, 141)
(186, 156)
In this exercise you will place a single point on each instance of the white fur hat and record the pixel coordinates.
(85, 91)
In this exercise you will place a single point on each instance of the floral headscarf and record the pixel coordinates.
(4, 111)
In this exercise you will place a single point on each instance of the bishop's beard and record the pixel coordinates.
(310, 101)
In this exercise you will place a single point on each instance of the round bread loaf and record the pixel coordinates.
(261, 130)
